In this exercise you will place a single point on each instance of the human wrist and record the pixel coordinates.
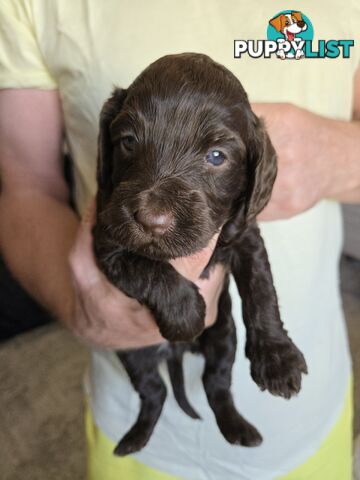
(36, 232)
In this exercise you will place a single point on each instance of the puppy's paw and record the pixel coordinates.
(130, 443)
(238, 431)
(277, 366)
(184, 318)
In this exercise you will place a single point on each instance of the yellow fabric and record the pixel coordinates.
(21, 63)
(332, 461)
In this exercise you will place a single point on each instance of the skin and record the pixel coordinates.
(50, 251)
(318, 157)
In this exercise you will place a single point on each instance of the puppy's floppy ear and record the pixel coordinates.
(276, 22)
(297, 15)
(261, 168)
(105, 148)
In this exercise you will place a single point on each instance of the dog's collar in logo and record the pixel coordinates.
(290, 35)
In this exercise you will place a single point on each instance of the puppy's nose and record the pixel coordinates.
(155, 223)
(301, 24)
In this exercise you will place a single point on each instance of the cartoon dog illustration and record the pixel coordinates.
(289, 24)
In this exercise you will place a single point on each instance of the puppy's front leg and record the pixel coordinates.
(218, 345)
(178, 307)
(276, 363)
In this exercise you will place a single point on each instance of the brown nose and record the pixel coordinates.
(155, 223)
(301, 24)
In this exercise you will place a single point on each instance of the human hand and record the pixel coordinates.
(210, 288)
(305, 171)
(106, 317)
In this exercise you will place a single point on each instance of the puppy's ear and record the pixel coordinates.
(276, 23)
(111, 108)
(297, 15)
(261, 169)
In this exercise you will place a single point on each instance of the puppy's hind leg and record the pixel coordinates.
(218, 344)
(145, 378)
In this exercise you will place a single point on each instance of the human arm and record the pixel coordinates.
(318, 157)
(35, 222)
(38, 230)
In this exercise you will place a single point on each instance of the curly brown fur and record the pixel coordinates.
(163, 193)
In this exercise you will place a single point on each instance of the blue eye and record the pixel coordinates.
(215, 157)
(129, 142)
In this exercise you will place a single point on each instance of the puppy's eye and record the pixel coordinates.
(215, 157)
(128, 142)
(287, 22)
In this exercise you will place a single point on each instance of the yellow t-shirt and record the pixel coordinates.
(83, 48)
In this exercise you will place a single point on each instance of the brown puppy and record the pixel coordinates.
(181, 156)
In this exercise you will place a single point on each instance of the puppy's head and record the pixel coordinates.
(181, 155)
(289, 24)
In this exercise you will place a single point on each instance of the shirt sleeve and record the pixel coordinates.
(21, 62)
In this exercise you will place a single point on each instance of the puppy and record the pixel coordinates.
(289, 25)
(182, 156)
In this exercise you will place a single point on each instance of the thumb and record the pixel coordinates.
(193, 265)
(82, 259)
(89, 216)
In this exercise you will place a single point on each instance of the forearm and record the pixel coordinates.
(351, 196)
(340, 151)
(318, 158)
(36, 234)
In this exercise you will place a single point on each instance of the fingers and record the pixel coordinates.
(82, 260)
(89, 216)
(113, 326)
(193, 265)
(211, 289)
